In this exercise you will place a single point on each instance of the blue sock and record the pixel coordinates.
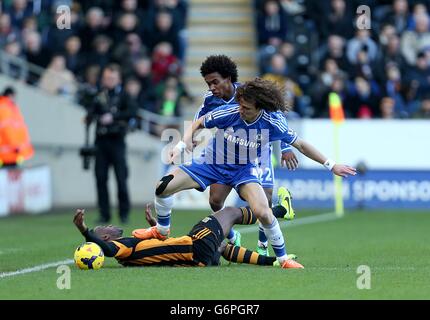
(262, 236)
(231, 236)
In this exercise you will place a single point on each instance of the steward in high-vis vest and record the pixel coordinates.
(15, 146)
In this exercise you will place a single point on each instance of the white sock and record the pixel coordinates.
(262, 244)
(276, 238)
(163, 207)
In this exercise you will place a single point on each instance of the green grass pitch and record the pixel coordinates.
(394, 245)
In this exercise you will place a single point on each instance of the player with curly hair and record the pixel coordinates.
(248, 129)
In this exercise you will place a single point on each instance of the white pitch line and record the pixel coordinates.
(323, 217)
(35, 268)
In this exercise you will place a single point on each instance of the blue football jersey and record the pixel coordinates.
(240, 142)
(212, 102)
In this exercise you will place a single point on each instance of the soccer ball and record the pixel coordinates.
(89, 255)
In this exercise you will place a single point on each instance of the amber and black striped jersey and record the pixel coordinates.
(198, 248)
(170, 252)
(130, 251)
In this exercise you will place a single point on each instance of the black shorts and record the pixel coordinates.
(207, 236)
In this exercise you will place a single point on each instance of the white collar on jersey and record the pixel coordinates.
(232, 98)
(258, 118)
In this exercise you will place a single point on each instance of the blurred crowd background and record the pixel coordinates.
(310, 47)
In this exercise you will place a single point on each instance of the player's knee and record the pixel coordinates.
(216, 203)
(262, 212)
(161, 189)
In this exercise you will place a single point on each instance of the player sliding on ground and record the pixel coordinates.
(203, 245)
(248, 129)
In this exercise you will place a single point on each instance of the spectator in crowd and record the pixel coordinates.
(418, 10)
(292, 7)
(53, 38)
(387, 107)
(334, 49)
(387, 31)
(277, 68)
(288, 50)
(57, 79)
(164, 62)
(131, 7)
(12, 61)
(339, 21)
(35, 54)
(133, 89)
(142, 73)
(74, 59)
(395, 89)
(398, 16)
(364, 102)
(169, 97)
(418, 77)
(177, 8)
(90, 86)
(19, 11)
(126, 24)
(424, 110)
(95, 25)
(101, 53)
(29, 25)
(164, 31)
(8, 32)
(15, 145)
(415, 41)
(271, 25)
(128, 52)
(361, 41)
(325, 80)
(364, 67)
(170, 93)
(390, 53)
(338, 85)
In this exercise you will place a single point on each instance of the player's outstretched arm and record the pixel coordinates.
(109, 249)
(312, 153)
(187, 143)
(189, 133)
(289, 160)
(288, 157)
(78, 220)
(148, 216)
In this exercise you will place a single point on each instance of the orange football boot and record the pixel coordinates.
(291, 264)
(149, 233)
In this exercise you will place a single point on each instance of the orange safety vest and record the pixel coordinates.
(15, 145)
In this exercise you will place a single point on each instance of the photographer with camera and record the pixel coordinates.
(115, 113)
